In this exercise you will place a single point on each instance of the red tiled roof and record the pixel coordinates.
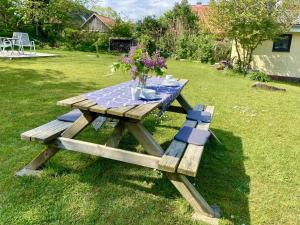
(107, 21)
(201, 11)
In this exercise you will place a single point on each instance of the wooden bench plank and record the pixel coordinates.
(141, 111)
(170, 160)
(28, 135)
(46, 132)
(71, 101)
(190, 161)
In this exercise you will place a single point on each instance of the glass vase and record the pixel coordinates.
(143, 80)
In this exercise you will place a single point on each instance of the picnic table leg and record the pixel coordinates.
(184, 103)
(117, 135)
(144, 138)
(50, 151)
(203, 211)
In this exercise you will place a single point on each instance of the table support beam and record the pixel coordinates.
(108, 152)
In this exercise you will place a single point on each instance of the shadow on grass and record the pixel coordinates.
(221, 178)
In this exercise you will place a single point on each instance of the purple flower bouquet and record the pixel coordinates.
(140, 64)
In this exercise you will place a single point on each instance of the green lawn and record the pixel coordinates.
(253, 177)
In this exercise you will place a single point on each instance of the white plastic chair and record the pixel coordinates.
(22, 40)
(4, 43)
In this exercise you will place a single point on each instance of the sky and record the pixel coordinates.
(137, 9)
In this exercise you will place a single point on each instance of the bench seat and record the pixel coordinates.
(185, 158)
(46, 132)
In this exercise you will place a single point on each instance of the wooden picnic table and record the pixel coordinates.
(177, 161)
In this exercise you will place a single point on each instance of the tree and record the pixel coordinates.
(149, 32)
(122, 29)
(106, 11)
(8, 17)
(248, 23)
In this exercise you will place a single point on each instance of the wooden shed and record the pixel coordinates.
(121, 44)
(98, 23)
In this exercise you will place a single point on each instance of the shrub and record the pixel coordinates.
(195, 47)
(85, 41)
(259, 76)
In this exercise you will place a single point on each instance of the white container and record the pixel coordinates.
(169, 77)
(135, 93)
(148, 93)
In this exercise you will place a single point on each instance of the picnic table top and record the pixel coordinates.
(138, 112)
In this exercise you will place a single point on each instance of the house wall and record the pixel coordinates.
(95, 25)
(285, 64)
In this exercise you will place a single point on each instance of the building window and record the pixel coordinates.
(282, 44)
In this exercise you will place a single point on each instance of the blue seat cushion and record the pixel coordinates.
(192, 136)
(202, 116)
(70, 116)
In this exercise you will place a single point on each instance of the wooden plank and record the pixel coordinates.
(71, 101)
(172, 156)
(193, 197)
(98, 109)
(45, 136)
(190, 161)
(141, 111)
(108, 152)
(50, 151)
(84, 120)
(144, 138)
(171, 159)
(46, 132)
(120, 111)
(85, 105)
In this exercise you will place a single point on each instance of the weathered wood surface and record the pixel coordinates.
(181, 183)
(51, 150)
(117, 135)
(85, 105)
(193, 197)
(144, 138)
(190, 161)
(70, 101)
(108, 152)
(173, 154)
(141, 111)
(46, 132)
(119, 111)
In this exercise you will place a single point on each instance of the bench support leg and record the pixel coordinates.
(203, 211)
(50, 151)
